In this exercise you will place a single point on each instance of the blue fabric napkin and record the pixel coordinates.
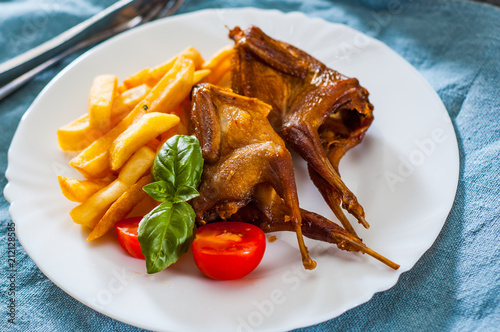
(454, 44)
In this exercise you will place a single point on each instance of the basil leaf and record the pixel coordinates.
(179, 162)
(165, 234)
(161, 191)
(185, 193)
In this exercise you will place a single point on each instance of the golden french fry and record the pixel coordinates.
(102, 94)
(137, 79)
(200, 75)
(133, 96)
(153, 144)
(80, 190)
(91, 211)
(77, 135)
(138, 134)
(180, 129)
(182, 111)
(158, 72)
(151, 76)
(120, 208)
(225, 80)
(144, 207)
(174, 87)
(121, 89)
(224, 54)
(219, 72)
(126, 102)
(219, 65)
(164, 97)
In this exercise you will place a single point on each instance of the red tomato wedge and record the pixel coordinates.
(228, 250)
(126, 231)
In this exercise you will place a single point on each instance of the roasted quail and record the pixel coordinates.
(317, 111)
(241, 151)
(248, 172)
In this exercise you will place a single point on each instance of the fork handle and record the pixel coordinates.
(123, 9)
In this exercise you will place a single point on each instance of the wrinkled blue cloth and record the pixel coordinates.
(455, 45)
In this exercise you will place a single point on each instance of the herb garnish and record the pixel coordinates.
(166, 232)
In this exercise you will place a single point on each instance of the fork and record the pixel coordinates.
(161, 8)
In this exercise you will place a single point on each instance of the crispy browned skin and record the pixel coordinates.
(248, 173)
(319, 112)
(267, 211)
(241, 152)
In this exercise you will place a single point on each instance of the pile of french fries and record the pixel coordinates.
(117, 140)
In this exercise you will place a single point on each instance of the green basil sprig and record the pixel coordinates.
(166, 232)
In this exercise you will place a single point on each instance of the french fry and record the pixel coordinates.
(219, 57)
(200, 75)
(141, 77)
(80, 190)
(153, 144)
(182, 111)
(219, 64)
(225, 80)
(144, 207)
(172, 89)
(127, 101)
(180, 129)
(91, 211)
(102, 94)
(138, 134)
(151, 76)
(120, 208)
(121, 89)
(219, 72)
(155, 74)
(78, 134)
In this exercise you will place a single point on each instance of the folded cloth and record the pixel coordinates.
(454, 44)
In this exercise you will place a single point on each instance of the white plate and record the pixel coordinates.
(404, 173)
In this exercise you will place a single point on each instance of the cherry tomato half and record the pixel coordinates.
(126, 231)
(228, 250)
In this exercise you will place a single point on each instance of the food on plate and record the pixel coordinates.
(121, 208)
(319, 112)
(144, 112)
(220, 67)
(166, 232)
(151, 76)
(80, 190)
(164, 97)
(78, 134)
(228, 250)
(102, 96)
(93, 209)
(144, 176)
(241, 151)
(126, 232)
(248, 173)
(268, 212)
(139, 133)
